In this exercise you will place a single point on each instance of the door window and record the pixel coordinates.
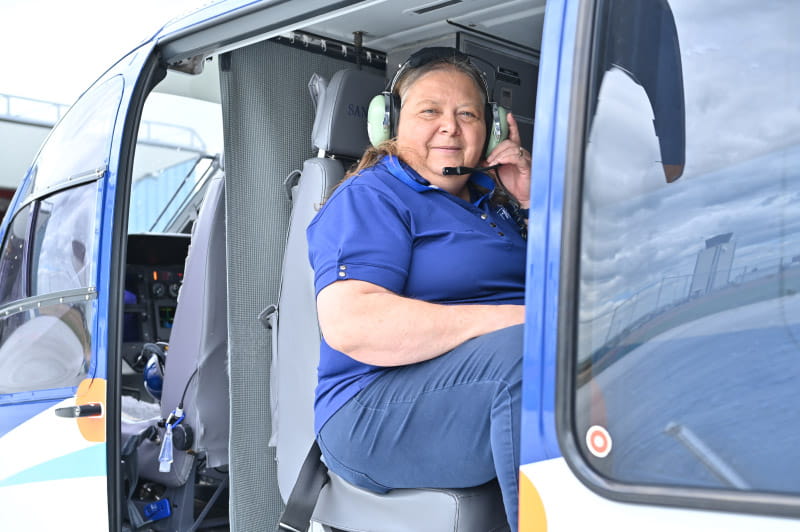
(44, 336)
(687, 330)
(63, 254)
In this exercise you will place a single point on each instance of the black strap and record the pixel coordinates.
(313, 475)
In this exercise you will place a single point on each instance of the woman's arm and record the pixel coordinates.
(376, 326)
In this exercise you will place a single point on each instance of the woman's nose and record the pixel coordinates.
(448, 124)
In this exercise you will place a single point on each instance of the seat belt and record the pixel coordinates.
(296, 517)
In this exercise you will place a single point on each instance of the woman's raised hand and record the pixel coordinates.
(515, 164)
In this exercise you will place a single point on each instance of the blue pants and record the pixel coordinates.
(449, 422)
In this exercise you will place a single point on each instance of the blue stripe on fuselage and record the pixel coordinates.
(89, 462)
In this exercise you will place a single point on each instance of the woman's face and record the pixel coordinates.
(441, 124)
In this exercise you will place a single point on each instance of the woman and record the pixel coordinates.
(420, 290)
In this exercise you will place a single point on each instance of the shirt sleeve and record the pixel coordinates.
(360, 233)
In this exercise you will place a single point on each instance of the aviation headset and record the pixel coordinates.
(384, 109)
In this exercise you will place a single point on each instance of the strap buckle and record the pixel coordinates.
(288, 528)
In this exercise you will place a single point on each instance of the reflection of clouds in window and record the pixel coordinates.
(66, 238)
(641, 236)
(42, 353)
(653, 239)
(623, 150)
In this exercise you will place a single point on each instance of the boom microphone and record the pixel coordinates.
(461, 170)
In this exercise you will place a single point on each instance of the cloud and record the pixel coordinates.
(641, 235)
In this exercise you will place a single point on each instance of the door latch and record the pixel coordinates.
(87, 410)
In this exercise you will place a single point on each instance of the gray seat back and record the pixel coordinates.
(339, 130)
(196, 362)
(197, 358)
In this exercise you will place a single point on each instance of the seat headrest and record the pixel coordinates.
(340, 127)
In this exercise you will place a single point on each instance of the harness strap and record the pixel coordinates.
(313, 475)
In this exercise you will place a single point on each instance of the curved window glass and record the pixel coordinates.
(45, 347)
(688, 315)
(63, 241)
(80, 143)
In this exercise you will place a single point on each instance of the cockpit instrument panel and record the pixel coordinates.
(153, 278)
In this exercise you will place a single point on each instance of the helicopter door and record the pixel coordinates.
(58, 424)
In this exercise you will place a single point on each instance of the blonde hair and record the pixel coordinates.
(371, 156)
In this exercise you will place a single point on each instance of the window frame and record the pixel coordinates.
(723, 499)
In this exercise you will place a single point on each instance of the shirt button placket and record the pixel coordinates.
(493, 225)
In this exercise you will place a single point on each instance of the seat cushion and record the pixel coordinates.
(479, 509)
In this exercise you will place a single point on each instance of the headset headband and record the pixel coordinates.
(437, 53)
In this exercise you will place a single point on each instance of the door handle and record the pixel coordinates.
(87, 410)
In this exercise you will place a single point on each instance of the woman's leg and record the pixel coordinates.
(449, 422)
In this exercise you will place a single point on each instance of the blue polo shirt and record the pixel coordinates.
(390, 227)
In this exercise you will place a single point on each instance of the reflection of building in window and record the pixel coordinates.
(153, 192)
(712, 269)
(161, 197)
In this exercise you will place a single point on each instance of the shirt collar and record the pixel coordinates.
(416, 182)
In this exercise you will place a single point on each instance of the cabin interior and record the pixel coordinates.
(248, 124)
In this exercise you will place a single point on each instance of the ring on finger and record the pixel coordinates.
(521, 152)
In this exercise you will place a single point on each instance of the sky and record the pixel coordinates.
(54, 49)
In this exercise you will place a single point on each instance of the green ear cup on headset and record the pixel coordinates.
(379, 123)
(498, 129)
(378, 120)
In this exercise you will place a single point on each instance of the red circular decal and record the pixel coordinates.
(598, 440)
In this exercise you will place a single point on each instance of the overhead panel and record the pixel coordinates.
(397, 24)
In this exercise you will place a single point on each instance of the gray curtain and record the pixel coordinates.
(267, 115)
